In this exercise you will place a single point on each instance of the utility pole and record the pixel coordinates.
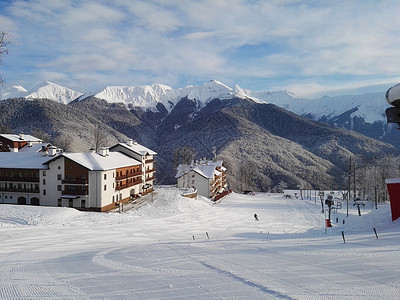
(354, 181)
(348, 198)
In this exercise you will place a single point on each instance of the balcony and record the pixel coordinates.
(74, 181)
(17, 190)
(148, 161)
(19, 179)
(150, 171)
(124, 186)
(150, 178)
(75, 192)
(129, 175)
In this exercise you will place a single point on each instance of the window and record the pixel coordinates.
(59, 187)
(44, 192)
(58, 176)
(59, 202)
(44, 173)
(59, 167)
(71, 203)
(105, 176)
(83, 202)
(44, 181)
(105, 187)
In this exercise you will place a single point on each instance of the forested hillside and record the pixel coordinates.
(263, 146)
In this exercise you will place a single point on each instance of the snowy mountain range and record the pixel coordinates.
(370, 106)
(363, 113)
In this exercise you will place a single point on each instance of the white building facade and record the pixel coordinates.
(207, 177)
(41, 174)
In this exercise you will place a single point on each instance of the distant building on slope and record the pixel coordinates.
(208, 177)
(14, 142)
(40, 174)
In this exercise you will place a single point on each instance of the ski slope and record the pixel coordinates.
(162, 251)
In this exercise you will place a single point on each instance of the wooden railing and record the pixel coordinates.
(74, 181)
(129, 175)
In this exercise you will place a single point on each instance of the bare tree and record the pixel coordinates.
(247, 174)
(4, 42)
(100, 138)
(64, 142)
(184, 155)
(5, 128)
(40, 134)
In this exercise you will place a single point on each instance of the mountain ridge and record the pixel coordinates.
(361, 113)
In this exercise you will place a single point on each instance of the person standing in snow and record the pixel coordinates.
(256, 217)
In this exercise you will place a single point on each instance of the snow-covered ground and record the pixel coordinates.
(162, 251)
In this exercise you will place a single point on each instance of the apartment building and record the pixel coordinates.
(207, 177)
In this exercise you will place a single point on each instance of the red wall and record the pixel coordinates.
(394, 194)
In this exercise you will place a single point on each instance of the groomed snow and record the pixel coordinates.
(162, 251)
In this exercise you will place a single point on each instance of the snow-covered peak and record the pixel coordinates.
(146, 96)
(52, 91)
(15, 91)
(207, 91)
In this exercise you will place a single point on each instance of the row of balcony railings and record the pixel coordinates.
(129, 175)
(129, 184)
(75, 192)
(150, 178)
(74, 181)
(147, 161)
(149, 171)
(18, 190)
(19, 179)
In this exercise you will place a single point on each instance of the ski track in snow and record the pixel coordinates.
(150, 253)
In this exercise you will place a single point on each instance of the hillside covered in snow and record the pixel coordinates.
(181, 248)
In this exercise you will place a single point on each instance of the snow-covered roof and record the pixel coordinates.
(204, 168)
(97, 162)
(137, 148)
(25, 138)
(26, 158)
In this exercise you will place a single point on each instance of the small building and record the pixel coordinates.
(207, 177)
(14, 142)
(393, 186)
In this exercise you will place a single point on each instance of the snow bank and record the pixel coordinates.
(23, 215)
(379, 219)
(169, 202)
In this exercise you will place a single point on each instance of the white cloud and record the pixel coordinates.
(305, 41)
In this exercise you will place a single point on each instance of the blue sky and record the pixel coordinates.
(310, 48)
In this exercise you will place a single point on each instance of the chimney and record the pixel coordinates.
(21, 136)
(52, 150)
(103, 151)
(131, 142)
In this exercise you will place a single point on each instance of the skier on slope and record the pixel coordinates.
(256, 217)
